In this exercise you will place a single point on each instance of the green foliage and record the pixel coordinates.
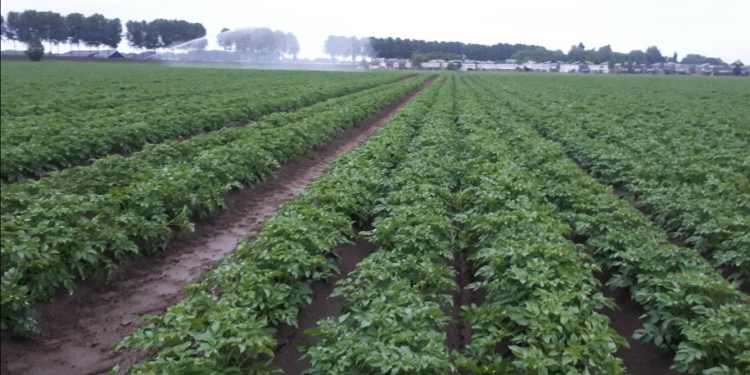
(88, 111)
(689, 307)
(266, 281)
(539, 55)
(394, 321)
(82, 222)
(35, 50)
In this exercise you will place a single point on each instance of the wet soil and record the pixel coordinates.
(78, 330)
(288, 356)
(459, 332)
(641, 358)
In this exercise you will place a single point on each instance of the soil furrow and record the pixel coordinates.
(79, 329)
(459, 332)
(288, 356)
(642, 358)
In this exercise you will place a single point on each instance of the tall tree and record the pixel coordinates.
(96, 30)
(151, 39)
(653, 55)
(638, 57)
(30, 26)
(56, 30)
(539, 55)
(292, 45)
(113, 33)
(696, 59)
(224, 39)
(135, 33)
(336, 46)
(76, 25)
(606, 54)
(10, 31)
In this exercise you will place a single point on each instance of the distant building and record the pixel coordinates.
(10, 52)
(469, 65)
(142, 55)
(602, 68)
(105, 53)
(570, 67)
(434, 64)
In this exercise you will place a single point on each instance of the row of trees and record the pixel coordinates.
(341, 46)
(259, 44)
(419, 51)
(96, 30)
(75, 28)
(405, 48)
(651, 55)
(161, 33)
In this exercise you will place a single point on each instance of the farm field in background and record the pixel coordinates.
(55, 115)
(473, 222)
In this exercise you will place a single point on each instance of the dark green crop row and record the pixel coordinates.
(394, 302)
(457, 191)
(49, 242)
(36, 143)
(226, 325)
(689, 307)
(542, 296)
(117, 172)
(689, 171)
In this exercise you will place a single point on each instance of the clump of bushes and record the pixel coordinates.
(35, 50)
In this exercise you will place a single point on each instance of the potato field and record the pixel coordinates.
(161, 220)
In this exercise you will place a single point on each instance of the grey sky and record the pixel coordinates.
(717, 28)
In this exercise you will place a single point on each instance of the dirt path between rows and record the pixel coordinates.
(78, 330)
(642, 358)
(287, 355)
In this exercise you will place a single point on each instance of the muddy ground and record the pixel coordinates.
(78, 330)
(287, 356)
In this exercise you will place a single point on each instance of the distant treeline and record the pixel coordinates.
(95, 30)
(405, 48)
(420, 50)
(54, 28)
(258, 44)
(162, 33)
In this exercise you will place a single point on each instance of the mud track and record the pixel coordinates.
(287, 355)
(78, 330)
(642, 358)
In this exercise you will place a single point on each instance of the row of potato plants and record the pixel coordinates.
(689, 308)
(116, 172)
(541, 294)
(72, 88)
(62, 237)
(228, 321)
(395, 300)
(39, 144)
(691, 177)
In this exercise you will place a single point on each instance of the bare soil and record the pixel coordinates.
(641, 358)
(459, 332)
(288, 356)
(78, 330)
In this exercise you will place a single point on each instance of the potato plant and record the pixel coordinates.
(49, 239)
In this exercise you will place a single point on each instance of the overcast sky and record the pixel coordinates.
(716, 28)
